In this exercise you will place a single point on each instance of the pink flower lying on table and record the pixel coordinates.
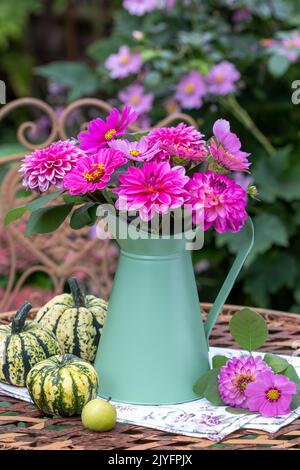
(217, 201)
(236, 375)
(93, 172)
(190, 90)
(270, 394)
(222, 78)
(99, 132)
(183, 141)
(139, 151)
(135, 96)
(45, 167)
(225, 148)
(123, 63)
(154, 188)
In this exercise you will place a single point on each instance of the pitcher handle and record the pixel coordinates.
(231, 277)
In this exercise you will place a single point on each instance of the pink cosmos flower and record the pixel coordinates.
(222, 78)
(217, 201)
(270, 394)
(191, 90)
(139, 151)
(225, 148)
(99, 132)
(135, 96)
(123, 63)
(45, 167)
(140, 7)
(93, 172)
(183, 141)
(154, 188)
(236, 375)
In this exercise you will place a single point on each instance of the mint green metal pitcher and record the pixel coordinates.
(154, 344)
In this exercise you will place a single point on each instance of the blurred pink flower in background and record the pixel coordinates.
(241, 15)
(93, 172)
(135, 96)
(143, 122)
(290, 46)
(45, 167)
(154, 188)
(225, 148)
(123, 63)
(182, 140)
(100, 132)
(172, 106)
(222, 78)
(218, 201)
(140, 7)
(243, 180)
(140, 151)
(190, 90)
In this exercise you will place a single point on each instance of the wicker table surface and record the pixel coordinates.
(23, 427)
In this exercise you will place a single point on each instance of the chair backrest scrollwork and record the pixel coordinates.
(63, 253)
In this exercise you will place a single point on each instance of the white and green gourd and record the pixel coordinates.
(22, 345)
(76, 320)
(62, 385)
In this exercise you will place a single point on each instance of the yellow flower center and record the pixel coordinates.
(273, 394)
(94, 176)
(110, 134)
(171, 107)
(229, 154)
(135, 100)
(292, 44)
(124, 60)
(219, 78)
(189, 88)
(134, 153)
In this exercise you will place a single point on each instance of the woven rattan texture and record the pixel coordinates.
(23, 427)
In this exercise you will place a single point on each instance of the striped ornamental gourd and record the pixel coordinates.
(62, 385)
(22, 345)
(76, 320)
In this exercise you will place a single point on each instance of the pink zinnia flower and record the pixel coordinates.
(218, 201)
(93, 172)
(123, 63)
(140, 7)
(236, 375)
(225, 148)
(182, 141)
(135, 96)
(99, 132)
(139, 151)
(270, 394)
(191, 90)
(222, 78)
(154, 188)
(45, 167)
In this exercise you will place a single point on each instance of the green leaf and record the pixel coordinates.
(14, 214)
(291, 373)
(219, 361)
(81, 217)
(248, 329)
(207, 387)
(42, 201)
(47, 219)
(277, 364)
(278, 65)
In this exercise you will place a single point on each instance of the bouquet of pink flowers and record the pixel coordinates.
(149, 173)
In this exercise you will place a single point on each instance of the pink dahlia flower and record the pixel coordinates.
(270, 394)
(191, 90)
(182, 141)
(135, 96)
(217, 201)
(123, 63)
(46, 167)
(222, 78)
(236, 375)
(154, 188)
(93, 172)
(99, 132)
(225, 148)
(140, 7)
(139, 151)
